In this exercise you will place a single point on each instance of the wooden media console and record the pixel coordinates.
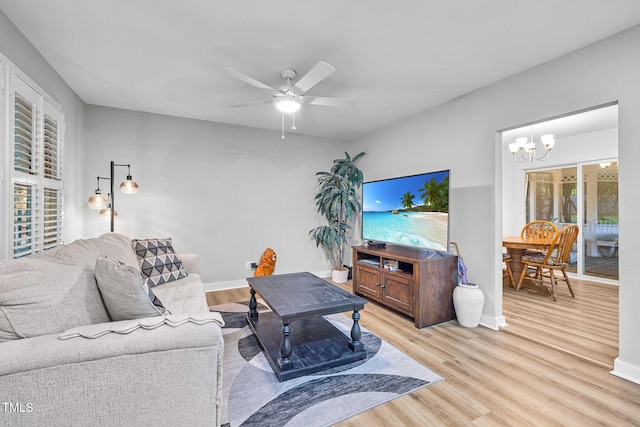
(416, 282)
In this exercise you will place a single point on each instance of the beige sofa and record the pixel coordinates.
(64, 361)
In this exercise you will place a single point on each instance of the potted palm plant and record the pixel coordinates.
(338, 200)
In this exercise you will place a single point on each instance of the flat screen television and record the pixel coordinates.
(410, 210)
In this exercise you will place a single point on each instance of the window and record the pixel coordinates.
(553, 195)
(33, 189)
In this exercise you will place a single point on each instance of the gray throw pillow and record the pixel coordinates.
(125, 293)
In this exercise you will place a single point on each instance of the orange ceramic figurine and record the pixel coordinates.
(267, 263)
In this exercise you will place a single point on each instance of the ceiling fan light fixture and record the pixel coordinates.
(287, 104)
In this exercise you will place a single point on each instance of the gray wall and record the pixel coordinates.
(462, 135)
(225, 192)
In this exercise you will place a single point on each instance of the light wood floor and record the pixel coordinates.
(496, 378)
(585, 326)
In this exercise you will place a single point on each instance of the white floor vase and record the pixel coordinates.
(468, 301)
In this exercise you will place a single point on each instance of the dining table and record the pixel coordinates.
(517, 246)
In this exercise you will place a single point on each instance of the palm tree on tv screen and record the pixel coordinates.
(407, 200)
(435, 195)
(443, 195)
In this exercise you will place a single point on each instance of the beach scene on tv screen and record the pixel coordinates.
(412, 210)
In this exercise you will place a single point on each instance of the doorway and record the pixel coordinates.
(586, 146)
(577, 183)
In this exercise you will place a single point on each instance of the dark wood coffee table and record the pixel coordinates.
(296, 339)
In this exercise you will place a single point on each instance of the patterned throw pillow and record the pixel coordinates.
(158, 261)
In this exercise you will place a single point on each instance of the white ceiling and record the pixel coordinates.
(396, 59)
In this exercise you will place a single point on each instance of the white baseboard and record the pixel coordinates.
(242, 283)
(493, 322)
(221, 286)
(626, 371)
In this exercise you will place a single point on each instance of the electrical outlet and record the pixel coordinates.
(250, 265)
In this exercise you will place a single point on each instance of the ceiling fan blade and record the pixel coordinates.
(321, 71)
(246, 104)
(329, 102)
(253, 82)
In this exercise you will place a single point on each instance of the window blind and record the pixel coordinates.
(50, 147)
(52, 225)
(23, 221)
(23, 135)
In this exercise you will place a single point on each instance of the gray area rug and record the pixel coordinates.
(254, 397)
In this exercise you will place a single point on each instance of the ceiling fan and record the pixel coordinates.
(289, 97)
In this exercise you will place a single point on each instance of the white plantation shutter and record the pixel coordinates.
(24, 114)
(51, 140)
(23, 221)
(52, 224)
(52, 126)
(50, 148)
(36, 181)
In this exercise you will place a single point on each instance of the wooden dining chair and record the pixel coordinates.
(539, 228)
(556, 258)
(507, 272)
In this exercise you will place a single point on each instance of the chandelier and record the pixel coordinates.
(527, 149)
